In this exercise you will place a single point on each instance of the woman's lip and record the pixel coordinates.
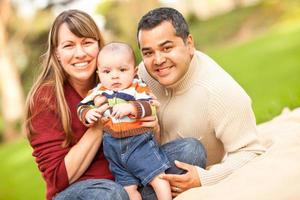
(81, 64)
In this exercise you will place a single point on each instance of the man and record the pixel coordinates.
(198, 99)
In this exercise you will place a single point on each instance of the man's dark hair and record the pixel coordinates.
(156, 16)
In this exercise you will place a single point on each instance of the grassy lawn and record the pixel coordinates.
(19, 176)
(268, 68)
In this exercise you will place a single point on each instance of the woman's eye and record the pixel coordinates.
(88, 42)
(67, 45)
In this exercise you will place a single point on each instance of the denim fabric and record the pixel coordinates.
(134, 160)
(188, 150)
(96, 189)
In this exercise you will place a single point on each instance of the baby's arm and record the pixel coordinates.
(123, 109)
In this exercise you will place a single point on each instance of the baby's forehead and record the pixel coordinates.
(121, 51)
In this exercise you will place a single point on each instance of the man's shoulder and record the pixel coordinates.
(215, 79)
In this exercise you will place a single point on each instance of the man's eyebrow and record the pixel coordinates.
(165, 42)
(161, 44)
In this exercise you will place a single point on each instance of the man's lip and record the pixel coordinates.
(162, 71)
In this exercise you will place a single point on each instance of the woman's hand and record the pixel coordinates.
(183, 182)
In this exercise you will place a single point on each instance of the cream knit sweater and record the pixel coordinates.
(209, 105)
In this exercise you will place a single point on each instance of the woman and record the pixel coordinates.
(68, 154)
(65, 150)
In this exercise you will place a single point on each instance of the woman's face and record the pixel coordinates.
(77, 56)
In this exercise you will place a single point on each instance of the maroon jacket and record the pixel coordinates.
(48, 137)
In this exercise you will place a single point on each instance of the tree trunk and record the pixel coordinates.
(12, 101)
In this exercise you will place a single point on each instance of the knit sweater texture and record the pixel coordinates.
(49, 136)
(208, 104)
(137, 94)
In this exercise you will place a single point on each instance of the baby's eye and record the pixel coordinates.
(123, 69)
(106, 71)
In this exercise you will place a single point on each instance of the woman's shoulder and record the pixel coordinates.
(45, 96)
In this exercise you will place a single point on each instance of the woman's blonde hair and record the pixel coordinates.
(81, 25)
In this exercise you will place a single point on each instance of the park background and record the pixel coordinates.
(256, 41)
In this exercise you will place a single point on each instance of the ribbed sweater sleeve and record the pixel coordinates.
(234, 124)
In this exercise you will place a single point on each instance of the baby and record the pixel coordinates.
(132, 151)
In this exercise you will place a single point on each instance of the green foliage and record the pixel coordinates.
(268, 68)
(227, 28)
(20, 178)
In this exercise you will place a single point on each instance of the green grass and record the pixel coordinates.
(19, 176)
(268, 68)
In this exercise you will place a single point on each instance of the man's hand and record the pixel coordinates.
(122, 110)
(183, 182)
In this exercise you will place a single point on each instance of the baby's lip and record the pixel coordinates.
(116, 84)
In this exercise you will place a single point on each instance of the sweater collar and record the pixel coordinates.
(188, 79)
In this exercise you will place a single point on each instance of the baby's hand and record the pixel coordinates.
(122, 110)
(92, 116)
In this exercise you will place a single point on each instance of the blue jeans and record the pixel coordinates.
(96, 189)
(134, 160)
(188, 150)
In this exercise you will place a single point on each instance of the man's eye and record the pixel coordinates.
(147, 54)
(167, 49)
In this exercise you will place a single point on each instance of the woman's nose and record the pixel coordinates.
(79, 51)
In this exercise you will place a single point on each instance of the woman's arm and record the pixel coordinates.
(80, 156)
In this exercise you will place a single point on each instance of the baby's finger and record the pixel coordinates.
(97, 115)
(102, 108)
(90, 121)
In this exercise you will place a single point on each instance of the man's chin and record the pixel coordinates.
(165, 82)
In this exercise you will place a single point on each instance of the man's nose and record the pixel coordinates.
(159, 58)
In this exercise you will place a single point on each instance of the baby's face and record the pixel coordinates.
(116, 71)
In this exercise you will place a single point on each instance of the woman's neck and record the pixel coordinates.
(82, 87)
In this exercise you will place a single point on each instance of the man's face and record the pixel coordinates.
(165, 55)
